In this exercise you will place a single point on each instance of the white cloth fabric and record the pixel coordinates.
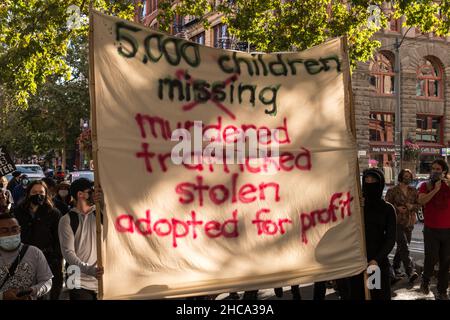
(388, 175)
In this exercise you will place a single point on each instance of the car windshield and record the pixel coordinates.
(30, 169)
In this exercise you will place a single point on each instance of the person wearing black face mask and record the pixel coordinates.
(39, 222)
(435, 197)
(404, 198)
(380, 233)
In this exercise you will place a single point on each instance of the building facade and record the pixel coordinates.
(424, 99)
(424, 90)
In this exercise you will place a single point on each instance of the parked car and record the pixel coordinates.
(33, 171)
(75, 175)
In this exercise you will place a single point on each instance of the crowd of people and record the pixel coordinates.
(44, 222)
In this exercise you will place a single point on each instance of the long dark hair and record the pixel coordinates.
(26, 203)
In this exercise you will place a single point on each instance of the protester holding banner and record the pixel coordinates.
(380, 226)
(404, 198)
(207, 226)
(24, 273)
(435, 196)
(77, 231)
(39, 222)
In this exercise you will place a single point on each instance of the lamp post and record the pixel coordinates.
(398, 113)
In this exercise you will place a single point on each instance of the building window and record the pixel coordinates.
(178, 24)
(199, 38)
(429, 129)
(394, 25)
(383, 74)
(143, 9)
(221, 38)
(429, 80)
(381, 127)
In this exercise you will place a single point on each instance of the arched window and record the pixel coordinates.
(429, 80)
(383, 74)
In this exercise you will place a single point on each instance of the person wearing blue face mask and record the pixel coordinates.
(24, 272)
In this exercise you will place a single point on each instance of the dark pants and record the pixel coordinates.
(343, 288)
(402, 253)
(57, 280)
(357, 286)
(82, 294)
(437, 249)
(320, 289)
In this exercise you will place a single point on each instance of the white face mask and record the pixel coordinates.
(10, 243)
(63, 193)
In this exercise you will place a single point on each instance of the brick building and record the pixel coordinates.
(424, 88)
(424, 97)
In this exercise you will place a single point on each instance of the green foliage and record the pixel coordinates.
(275, 25)
(34, 39)
(52, 119)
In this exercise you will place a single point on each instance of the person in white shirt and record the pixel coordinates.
(24, 271)
(77, 234)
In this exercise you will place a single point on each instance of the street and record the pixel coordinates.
(401, 290)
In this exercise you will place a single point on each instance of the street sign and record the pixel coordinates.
(6, 164)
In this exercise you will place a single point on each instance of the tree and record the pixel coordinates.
(34, 41)
(52, 120)
(282, 25)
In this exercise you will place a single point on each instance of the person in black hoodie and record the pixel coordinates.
(380, 232)
(39, 221)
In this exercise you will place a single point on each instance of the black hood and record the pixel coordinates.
(375, 193)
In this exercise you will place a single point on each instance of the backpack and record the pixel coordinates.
(75, 221)
(13, 267)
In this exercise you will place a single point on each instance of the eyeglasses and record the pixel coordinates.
(13, 229)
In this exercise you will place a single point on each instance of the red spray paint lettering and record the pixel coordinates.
(326, 215)
(176, 228)
(269, 226)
